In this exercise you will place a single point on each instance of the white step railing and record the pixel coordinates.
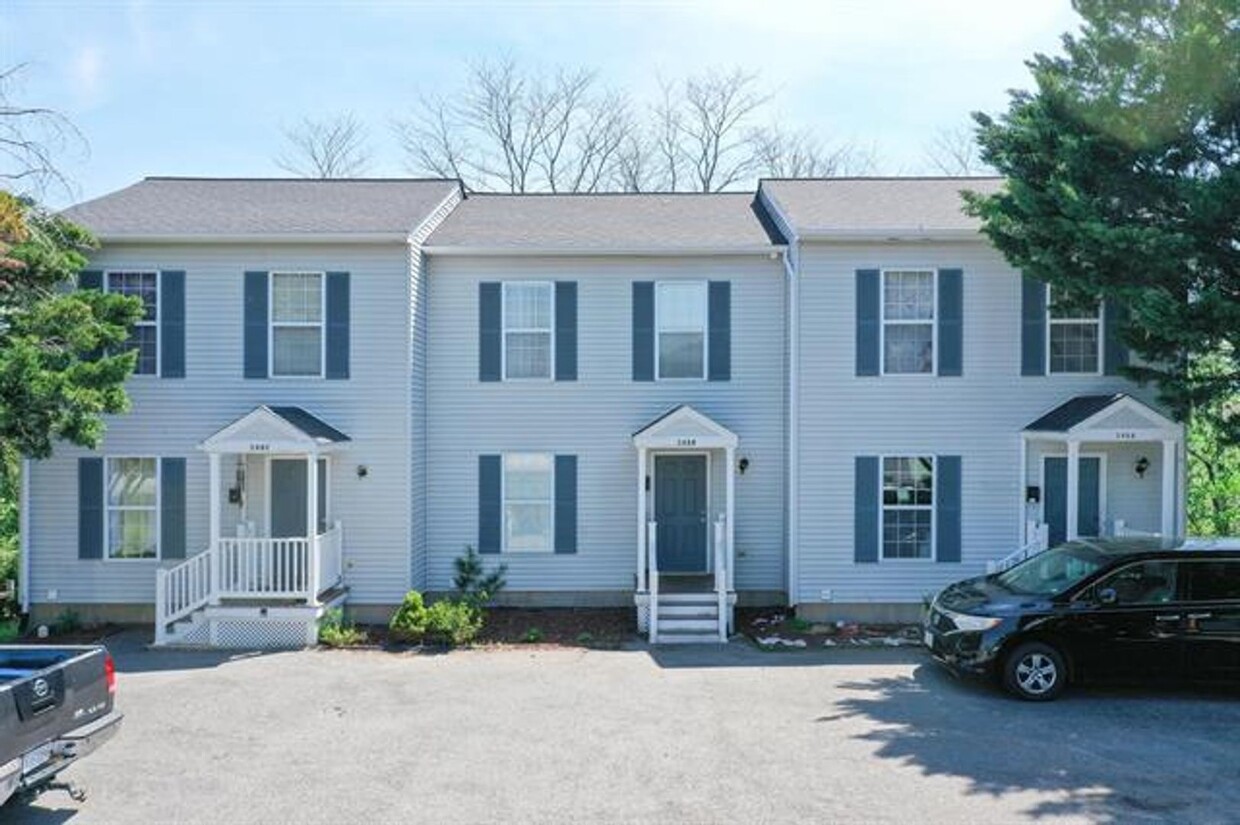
(283, 568)
(652, 551)
(721, 576)
(1038, 539)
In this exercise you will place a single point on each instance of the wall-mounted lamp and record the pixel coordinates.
(1033, 495)
(362, 471)
(742, 465)
(1142, 465)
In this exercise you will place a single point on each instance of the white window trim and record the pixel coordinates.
(503, 508)
(272, 323)
(705, 330)
(108, 508)
(159, 299)
(505, 329)
(1097, 320)
(932, 507)
(933, 321)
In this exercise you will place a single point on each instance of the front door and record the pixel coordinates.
(1089, 498)
(680, 511)
(288, 497)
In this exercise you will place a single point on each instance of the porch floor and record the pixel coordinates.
(686, 583)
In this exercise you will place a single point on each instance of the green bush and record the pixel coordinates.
(474, 585)
(68, 621)
(452, 622)
(409, 621)
(532, 636)
(334, 631)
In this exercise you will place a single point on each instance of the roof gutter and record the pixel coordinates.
(586, 251)
(894, 233)
(299, 238)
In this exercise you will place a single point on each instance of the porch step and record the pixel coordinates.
(689, 637)
(688, 598)
(692, 611)
(677, 624)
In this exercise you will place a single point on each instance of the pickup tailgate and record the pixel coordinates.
(46, 692)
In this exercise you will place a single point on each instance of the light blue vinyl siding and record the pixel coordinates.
(594, 417)
(170, 418)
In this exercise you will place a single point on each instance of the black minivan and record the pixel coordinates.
(1121, 609)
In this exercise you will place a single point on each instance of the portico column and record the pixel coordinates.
(1169, 472)
(213, 520)
(641, 519)
(312, 524)
(730, 509)
(1074, 483)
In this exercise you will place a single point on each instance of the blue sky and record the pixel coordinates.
(198, 88)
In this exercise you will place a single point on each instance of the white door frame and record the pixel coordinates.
(710, 533)
(325, 467)
(1102, 489)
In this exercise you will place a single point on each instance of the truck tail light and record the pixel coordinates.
(109, 672)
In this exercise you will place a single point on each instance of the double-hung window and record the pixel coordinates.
(297, 323)
(680, 319)
(908, 321)
(908, 507)
(132, 508)
(145, 335)
(1074, 336)
(528, 505)
(529, 321)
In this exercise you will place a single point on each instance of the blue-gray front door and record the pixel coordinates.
(288, 497)
(1089, 498)
(680, 510)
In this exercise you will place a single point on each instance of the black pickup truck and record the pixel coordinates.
(56, 706)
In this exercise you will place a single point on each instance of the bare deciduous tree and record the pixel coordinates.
(329, 147)
(30, 139)
(954, 151)
(783, 154)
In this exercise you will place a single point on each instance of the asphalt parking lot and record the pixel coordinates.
(697, 735)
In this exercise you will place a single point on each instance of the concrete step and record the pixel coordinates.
(688, 598)
(676, 624)
(693, 638)
(696, 611)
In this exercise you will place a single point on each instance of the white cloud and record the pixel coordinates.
(86, 73)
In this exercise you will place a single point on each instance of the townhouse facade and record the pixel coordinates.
(832, 394)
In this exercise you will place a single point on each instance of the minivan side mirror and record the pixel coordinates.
(1107, 595)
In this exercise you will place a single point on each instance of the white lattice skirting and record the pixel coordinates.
(263, 634)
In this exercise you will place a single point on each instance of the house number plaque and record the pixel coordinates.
(686, 442)
(260, 447)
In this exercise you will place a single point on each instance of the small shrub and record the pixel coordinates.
(69, 621)
(452, 622)
(409, 621)
(798, 625)
(10, 630)
(585, 637)
(334, 631)
(474, 585)
(532, 636)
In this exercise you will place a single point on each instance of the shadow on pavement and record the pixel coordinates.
(742, 654)
(132, 652)
(1105, 756)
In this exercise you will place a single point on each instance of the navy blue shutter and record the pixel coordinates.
(490, 331)
(490, 503)
(643, 330)
(865, 511)
(1114, 315)
(337, 325)
(566, 331)
(720, 327)
(91, 279)
(1032, 327)
(90, 508)
(868, 321)
(256, 325)
(947, 508)
(172, 324)
(566, 504)
(951, 322)
(172, 508)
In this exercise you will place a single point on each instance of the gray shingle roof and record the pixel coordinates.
(873, 207)
(310, 424)
(648, 222)
(270, 207)
(1073, 411)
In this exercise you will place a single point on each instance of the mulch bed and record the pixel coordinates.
(602, 628)
(88, 635)
(778, 629)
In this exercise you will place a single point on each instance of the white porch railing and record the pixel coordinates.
(721, 576)
(272, 568)
(1121, 530)
(652, 553)
(1037, 539)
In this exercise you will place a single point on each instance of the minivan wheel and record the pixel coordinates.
(1036, 672)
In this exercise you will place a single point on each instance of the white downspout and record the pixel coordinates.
(23, 530)
(794, 346)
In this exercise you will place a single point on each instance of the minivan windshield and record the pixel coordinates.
(1051, 572)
